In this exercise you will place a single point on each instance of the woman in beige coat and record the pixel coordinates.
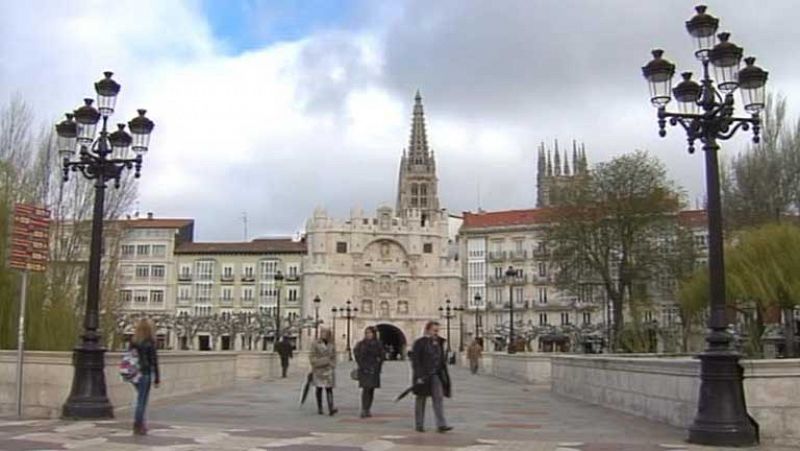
(323, 369)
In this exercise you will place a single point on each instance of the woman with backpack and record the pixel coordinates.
(143, 342)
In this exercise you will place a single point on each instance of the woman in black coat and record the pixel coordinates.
(369, 358)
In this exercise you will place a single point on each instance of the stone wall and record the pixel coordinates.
(48, 377)
(528, 368)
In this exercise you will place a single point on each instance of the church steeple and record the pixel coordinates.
(417, 184)
(418, 150)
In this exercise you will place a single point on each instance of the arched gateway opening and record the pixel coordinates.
(393, 340)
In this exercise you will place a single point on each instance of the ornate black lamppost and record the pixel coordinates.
(511, 275)
(348, 312)
(334, 312)
(102, 158)
(317, 302)
(706, 114)
(447, 313)
(478, 303)
(278, 278)
(460, 311)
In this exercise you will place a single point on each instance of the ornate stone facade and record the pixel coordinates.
(396, 267)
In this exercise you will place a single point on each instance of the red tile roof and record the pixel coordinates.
(165, 223)
(506, 218)
(693, 218)
(258, 246)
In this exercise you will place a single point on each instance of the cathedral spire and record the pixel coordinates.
(557, 159)
(417, 191)
(418, 142)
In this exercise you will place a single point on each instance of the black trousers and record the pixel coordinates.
(329, 396)
(367, 396)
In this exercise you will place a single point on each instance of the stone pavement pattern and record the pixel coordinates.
(487, 413)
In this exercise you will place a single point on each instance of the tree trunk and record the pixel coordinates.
(789, 333)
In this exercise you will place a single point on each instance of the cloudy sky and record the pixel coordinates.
(276, 107)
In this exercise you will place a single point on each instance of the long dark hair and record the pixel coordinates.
(372, 329)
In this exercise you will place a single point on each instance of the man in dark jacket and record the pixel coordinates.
(429, 363)
(284, 350)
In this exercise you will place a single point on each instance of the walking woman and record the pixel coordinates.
(323, 369)
(144, 343)
(474, 353)
(369, 358)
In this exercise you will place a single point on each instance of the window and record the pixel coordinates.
(498, 272)
(159, 250)
(292, 271)
(518, 245)
(542, 319)
(292, 294)
(498, 296)
(184, 292)
(227, 272)
(402, 307)
(227, 294)
(366, 306)
(140, 296)
(519, 295)
(268, 269)
(648, 316)
(564, 318)
(542, 269)
(476, 248)
(157, 297)
(249, 271)
(341, 247)
(427, 248)
(204, 269)
(142, 272)
(247, 293)
(125, 296)
(203, 291)
(126, 271)
(542, 295)
(128, 250)
(186, 272)
(587, 318)
(143, 250)
(476, 271)
(157, 272)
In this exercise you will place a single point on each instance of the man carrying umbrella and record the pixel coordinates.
(429, 365)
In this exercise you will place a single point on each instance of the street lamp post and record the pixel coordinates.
(334, 312)
(349, 314)
(446, 313)
(317, 302)
(706, 113)
(511, 274)
(278, 277)
(478, 300)
(102, 158)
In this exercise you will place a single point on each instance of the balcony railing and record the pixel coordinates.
(541, 254)
(497, 255)
(184, 277)
(227, 278)
(293, 278)
(248, 278)
(519, 255)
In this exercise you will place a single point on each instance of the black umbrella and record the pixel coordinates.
(306, 388)
(405, 393)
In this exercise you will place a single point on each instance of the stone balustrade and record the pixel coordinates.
(661, 388)
(48, 377)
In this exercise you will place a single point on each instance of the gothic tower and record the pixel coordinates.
(551, 175)
(417, 188)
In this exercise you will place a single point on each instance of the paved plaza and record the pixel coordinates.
(487, 413)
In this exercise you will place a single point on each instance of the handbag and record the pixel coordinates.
(354, 374)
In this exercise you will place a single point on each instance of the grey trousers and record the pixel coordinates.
(437, 393)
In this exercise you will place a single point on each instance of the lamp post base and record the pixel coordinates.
(88, 399)
(722, 417)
